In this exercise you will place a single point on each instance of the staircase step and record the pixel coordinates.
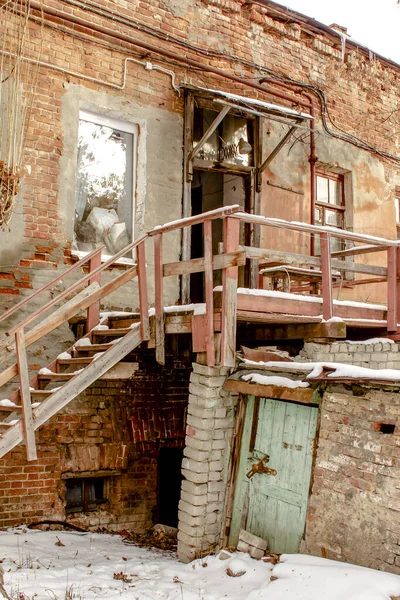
(93, 348)
(6, 425)
(57, 376)
(110, 332)
(10, 409)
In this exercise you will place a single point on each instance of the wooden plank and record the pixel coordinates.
(217, 213)
(8, 374)
(218, 119)
(143, 299)
(276, 256)
(25, 395)
(93, 311)
(68, 310)
(199, 333)
(248, 316)
(197, 265)
(187, 190)
(60, 398)
(299, 331)
(159, 298)
(310, 308)
(302, 395)
(326, 269)
(277, 149)
(392, 289)
(229, 295)
(209, 294)
(357, 250)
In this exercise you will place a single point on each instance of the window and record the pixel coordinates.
(397, 210)
(84, 495)
(104, 205)
(329, 206)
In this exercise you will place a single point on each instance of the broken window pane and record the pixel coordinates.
(104, 187)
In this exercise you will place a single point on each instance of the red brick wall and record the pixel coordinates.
(94, 434)
(359, 91)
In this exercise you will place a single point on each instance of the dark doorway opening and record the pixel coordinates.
(169, 485)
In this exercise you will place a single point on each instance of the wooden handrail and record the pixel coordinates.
(80, 263)
(76, 285)
(333, 231)
(218, 213)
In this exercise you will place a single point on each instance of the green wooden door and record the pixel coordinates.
(274, 506)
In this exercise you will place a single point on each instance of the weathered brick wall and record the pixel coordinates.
(373, 355)
(209, 431)
(353, 512)
(95, 433)
(238, 37)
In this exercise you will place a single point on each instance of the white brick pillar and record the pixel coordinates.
(210, 422)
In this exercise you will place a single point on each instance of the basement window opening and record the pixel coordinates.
(386, 428)
(84, 495)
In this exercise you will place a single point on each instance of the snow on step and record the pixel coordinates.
(83, 342)
(7, 403)
(64, 356)
(46, 371)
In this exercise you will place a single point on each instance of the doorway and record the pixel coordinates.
(274, 474)
(211, 190)
(169, 485)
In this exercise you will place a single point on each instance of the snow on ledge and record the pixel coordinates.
(340, 370)
(275, 380)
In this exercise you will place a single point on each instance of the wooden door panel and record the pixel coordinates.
(276, 504)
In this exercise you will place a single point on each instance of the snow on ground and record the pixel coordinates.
(59, 565)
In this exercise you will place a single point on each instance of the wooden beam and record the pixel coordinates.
(209, 294)
(277, 149)
(357, 250)
(25, 395)
(229, 295)
(143, 299)
(326, 269)
(300, 331)
(93, 311)
(159, 298)
(392, 289)
(218, 119)
(290, 258)
(197, 265)
(302, 395)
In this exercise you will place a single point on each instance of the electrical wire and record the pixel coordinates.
(325, 113)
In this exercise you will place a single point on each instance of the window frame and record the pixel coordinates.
(85, 482)
(125, 127)
(324, 206)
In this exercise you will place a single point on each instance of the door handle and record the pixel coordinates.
(261, 467)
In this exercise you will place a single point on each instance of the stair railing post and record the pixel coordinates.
(159, 298)
(229, 295)
(392, 289)
(93, 312)
(143, 299)
(209, 292)
(23, 375)
(326, 270)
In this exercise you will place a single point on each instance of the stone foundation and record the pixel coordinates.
(210, 424)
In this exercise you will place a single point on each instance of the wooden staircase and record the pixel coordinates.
(213, 330)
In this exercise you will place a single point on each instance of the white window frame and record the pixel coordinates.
(126, 127)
